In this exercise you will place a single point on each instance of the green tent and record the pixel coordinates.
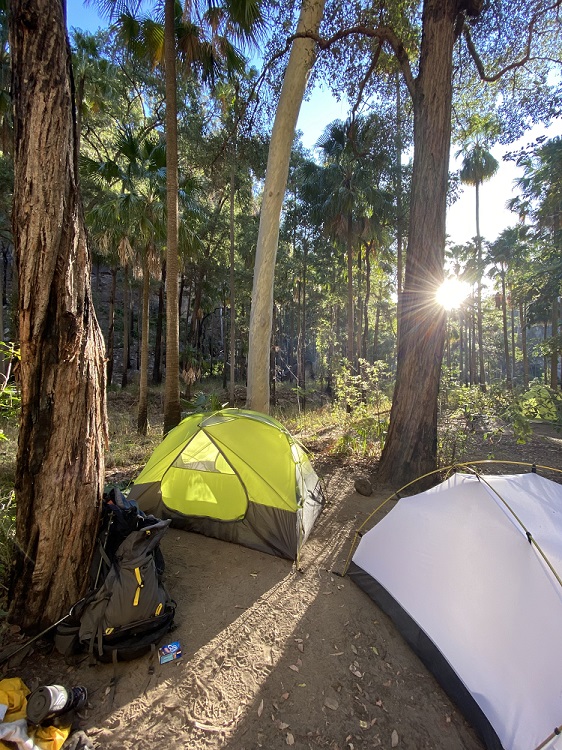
(236, 475)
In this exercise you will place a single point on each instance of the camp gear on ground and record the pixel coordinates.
(236, 475)
(13, 699)
(48, 701)
(14, 727)
(131, 610)
(471, 573)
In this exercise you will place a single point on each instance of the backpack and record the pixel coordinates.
(128, 609)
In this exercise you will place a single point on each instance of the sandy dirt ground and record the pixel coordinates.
(273, 656)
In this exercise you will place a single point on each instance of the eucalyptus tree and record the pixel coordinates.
(507, 44)
(63, 431)
(478, 166)
(295, 78)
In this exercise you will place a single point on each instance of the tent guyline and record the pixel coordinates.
(448, 470)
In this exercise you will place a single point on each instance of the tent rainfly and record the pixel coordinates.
(236, 475)
(471, 573)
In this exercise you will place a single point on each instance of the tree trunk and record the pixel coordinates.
(350, 349)
(481, 369)
(63, 431)
(232, 338)
(508, 379)
(142, 417)
(523, 325)
(368, 248)
(157, 368)
(172, 406)
(126, 326)
(282, 135)
(110, 349)
(411, 446)
(555, 346)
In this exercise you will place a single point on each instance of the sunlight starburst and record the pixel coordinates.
(452, 293)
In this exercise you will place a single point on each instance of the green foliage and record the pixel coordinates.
(363, 409)
(7, 534)
(541, 402)
(9, 392)
(467, 411)
(202, 402)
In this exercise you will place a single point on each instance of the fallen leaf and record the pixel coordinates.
(331, 703)
(355, 671)
(298, 640)
(300, 647)
(290, 739)
(354, 649)
(394, 738)
(375, 650)
(299, 662)
(260, 708)
(282, 725)
(338, 653)
(294, 667)
(364, 724)
(302, 684)
(378, 703)
(285, 696)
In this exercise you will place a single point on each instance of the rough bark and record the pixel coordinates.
(411, 445)
(282, 135)
(172, 406)
(60, 462)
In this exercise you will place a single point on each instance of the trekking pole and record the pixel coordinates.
(4, 659)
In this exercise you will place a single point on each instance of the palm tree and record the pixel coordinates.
(354, 162)
(200, 36)
(135, 210)
(478, 165)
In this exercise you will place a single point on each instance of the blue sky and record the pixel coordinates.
(322, 108)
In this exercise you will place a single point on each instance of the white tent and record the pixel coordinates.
(470, 571)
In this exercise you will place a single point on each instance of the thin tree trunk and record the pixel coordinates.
(142, 417)
(350, 349)
(508, 379)
(481, 369)
(126, 327)
(513, 368)
(368, 248)
(232, 290)
(110, 350)
(523, 324)
(63, 429)
(157, 367)
(172, 406)
(292, 91)
(554, 355)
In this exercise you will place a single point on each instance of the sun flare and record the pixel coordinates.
(452, 293)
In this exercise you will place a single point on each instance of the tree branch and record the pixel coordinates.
(368, 74)
(517, 63)
(382, 33)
